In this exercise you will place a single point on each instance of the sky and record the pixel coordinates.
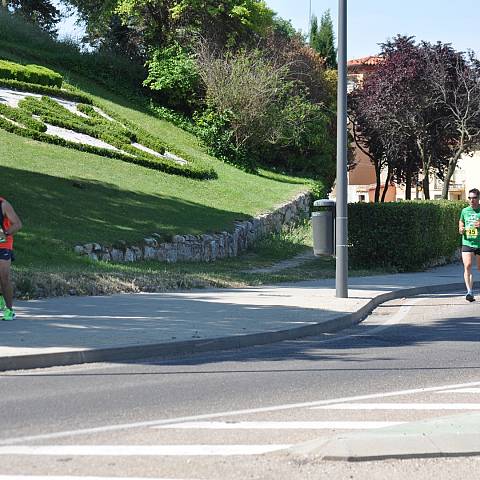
(371, 22)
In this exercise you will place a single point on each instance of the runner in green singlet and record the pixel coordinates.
(469, 228)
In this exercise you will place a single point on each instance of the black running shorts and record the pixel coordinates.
(6, 254)
(467, 248)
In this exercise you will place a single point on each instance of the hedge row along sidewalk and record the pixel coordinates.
(407, 236)
(116, 131)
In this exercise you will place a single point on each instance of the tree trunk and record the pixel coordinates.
(426, 187)
(387, 184)
(452, 165)
(408, 185)
(378, 184)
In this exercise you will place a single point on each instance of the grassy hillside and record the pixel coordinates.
(65, 197)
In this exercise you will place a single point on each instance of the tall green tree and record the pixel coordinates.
(322, 39)
(159, 23)
(40, 12)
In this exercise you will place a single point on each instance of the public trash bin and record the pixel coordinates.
(323, 227)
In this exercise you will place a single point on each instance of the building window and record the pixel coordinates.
(361, 198)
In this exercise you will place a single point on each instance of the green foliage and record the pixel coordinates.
(405, 235)
(258, 115)
(30, 74)
(22, 118)
(318, 189)
(178, 119)
(173, 75)
(19, 39)
(322, 39)
(43, 13)
(215, 129)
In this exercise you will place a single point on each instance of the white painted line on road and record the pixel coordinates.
(141, 450)
(275, 408)
(64, 477)
(280, 425)
(402, 406)
(461, 390)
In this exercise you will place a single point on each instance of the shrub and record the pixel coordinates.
(45, 90)
(173, 75)
(30, 73)
(215, 130)
(403, 235)
(21, 117)
(178, 119)
(261, 113)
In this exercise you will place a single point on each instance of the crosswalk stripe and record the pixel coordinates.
(140, 450)
(401, 406)
(274, 408)
(66, 477)
(278, 425)
(461, 390)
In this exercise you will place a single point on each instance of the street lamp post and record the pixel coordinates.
(341, 230)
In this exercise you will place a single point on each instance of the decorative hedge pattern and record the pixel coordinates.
(119, 133)
(403, 235)
(45, 90)
(30, 73)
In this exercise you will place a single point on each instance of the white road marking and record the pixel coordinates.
(64, 477)
(279, 425)
(275, 408)
(402, 406)
(141, 450)
(461, 390)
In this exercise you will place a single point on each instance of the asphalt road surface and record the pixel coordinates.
(237, 414)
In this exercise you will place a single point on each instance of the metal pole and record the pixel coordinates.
(341, 273)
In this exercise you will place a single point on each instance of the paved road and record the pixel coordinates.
(232, 414)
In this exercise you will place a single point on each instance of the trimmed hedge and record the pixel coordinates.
(112, 132)
(45, 90)
(404, 235)
(21, 117)
(35, 74)
(119, 133)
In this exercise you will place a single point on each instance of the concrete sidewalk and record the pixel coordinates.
(72, 330)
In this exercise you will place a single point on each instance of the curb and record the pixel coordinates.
(452, 436)
(189, 347)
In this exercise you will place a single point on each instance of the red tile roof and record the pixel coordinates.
(370, 61)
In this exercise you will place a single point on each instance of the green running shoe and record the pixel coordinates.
(2, 303)
(8, 314)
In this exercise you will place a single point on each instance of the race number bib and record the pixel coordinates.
(471, 232)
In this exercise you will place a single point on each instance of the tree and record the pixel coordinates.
(40, 12)
(322, 39)
(401, 113)
(158, 23)
(455, 83)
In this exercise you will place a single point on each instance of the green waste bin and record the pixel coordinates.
(323, 227)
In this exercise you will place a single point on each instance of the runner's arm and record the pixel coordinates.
(461, 227)
(15, 222)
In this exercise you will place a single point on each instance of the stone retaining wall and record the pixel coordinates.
(203, 248)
